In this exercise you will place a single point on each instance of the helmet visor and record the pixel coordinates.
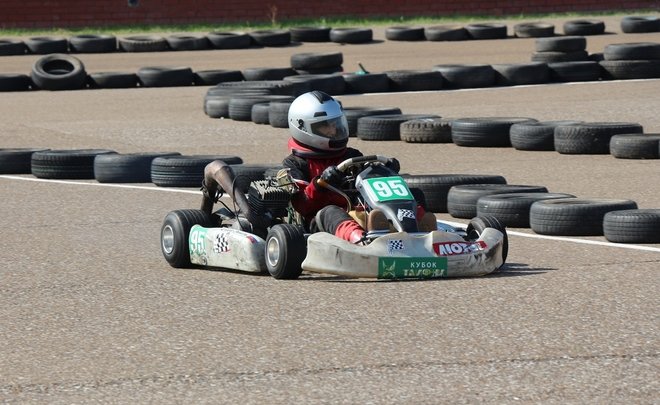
(333, 128)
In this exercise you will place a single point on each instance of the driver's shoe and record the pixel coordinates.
(427, 223)
(377, 221)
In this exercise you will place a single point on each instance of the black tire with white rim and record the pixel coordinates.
(512, 209)
(462, 199)
(286, 248)
(573, 216)
(632, 226)
(175, 232)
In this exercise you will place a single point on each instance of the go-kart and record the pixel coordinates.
(263, 233)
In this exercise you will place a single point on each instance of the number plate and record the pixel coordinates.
(388, 188)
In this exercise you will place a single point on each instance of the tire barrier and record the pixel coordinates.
(184, 170)
(65, 163)
(462, 199)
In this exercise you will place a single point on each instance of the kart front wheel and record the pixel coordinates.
(478, 224)
(174, 235)
(286, 249)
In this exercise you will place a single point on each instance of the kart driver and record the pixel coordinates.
(319, 137)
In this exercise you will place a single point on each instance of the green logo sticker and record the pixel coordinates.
(196, 240)
(412, 267)
(388, 188)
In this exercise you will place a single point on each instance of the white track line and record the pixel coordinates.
(174, 190)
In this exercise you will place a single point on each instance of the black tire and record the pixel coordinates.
(426, 130)
(462, 199)
(174, 235)
(10, 46)
(466, 76)
(17, 160)
(361, 83)
(216, 76)
(260, 113)
(446, 33)
(632, 51)
(65, 164)
(353, 114)
(240, 107)
(286, 249)
(534, 30)
(404, 33)
(486, 31)
(638, 24)
(185, 170)
(15, 82)
(574, 71)
(436, 186)
(626, 146)
(539, 136)
(351, 35)
(632, 226)
(47, 45)
(313, 60)
(58, 72)
(553, 57)
(414, 80)
(229, 40)
(385, 127)
(278, 113)
(328, 83)
(484, 131)
(112, 80)
(310, 34)
(573, 216)
(630, 69)
(126, 168)
(92, 43)
(584, 27)
(275, 87)
(263, 73)
(271, 37)
(187, 42)
(591, 137)
(478, 225)
(143, 43)
(163, 76)
(512, 209)
(561, 44)
(516, 74)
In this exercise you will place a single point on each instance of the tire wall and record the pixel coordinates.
(85, 13)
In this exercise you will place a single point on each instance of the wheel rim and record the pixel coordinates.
(273, 252)
(167, 239)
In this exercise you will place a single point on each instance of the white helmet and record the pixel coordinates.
(317, 120)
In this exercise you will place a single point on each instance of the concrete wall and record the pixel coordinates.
(77, 13)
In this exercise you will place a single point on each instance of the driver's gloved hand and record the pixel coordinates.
(393, 164)
(332, 176)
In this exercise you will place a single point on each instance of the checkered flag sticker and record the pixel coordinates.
(393, 245)
(401, 214)
(221, 244)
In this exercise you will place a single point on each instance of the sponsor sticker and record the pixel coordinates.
(412, 267)
(458, 248)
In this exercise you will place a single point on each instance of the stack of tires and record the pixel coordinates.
(639, 60)
(567, 59)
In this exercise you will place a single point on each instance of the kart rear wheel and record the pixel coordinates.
(286, 249)
(174, 235)
(478, 224)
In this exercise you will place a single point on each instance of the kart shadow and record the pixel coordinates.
(509, 270)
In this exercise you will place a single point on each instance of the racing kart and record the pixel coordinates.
(262, 232)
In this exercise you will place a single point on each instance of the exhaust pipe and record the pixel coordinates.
(218, 173)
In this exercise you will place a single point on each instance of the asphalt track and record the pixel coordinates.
(91, 312)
